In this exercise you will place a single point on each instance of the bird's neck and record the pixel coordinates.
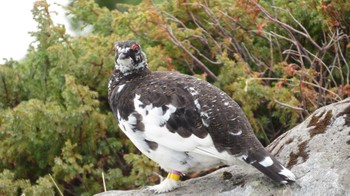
(128, 68)
(132, 74)
(120, 78)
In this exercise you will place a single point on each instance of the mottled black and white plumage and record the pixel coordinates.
(181, 122)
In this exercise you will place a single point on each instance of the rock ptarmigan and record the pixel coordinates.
(181, 122)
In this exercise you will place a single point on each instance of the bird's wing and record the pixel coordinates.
(186, 114)
(171, 118)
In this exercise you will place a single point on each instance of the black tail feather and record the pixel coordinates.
(269, 165)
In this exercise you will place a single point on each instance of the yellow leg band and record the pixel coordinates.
(173, 176)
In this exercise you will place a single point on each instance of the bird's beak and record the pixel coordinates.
(123, 56)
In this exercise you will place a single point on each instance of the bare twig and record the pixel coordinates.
(307, 35)
(58, 188)
(206, 58)
(283, 25)
(224, 31)
(200, 26)
(254, 58)
(290, 80)
(346, 63)
(199, 63)
(290, 106)
(104, 182)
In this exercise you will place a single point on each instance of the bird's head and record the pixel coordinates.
(129, 57)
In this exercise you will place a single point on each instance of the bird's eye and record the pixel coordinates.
(135, 47)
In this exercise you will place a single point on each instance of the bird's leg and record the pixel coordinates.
(169, 184)
(174, 175)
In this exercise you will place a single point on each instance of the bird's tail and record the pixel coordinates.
(269, 165)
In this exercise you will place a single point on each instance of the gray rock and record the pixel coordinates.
(317, 151)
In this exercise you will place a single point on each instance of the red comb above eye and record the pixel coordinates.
(135, 47)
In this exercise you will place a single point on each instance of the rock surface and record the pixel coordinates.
(317, 151)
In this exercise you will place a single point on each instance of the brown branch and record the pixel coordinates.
(290, 106)
(238, 48)
(200, 26)
(179, 44)
(288, 27)
(206, 58)
(346, 63)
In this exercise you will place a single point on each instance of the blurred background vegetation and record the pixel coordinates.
(279, 60)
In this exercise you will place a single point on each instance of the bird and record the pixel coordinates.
(181, 122)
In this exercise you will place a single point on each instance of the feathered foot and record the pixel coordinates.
(169, 184)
